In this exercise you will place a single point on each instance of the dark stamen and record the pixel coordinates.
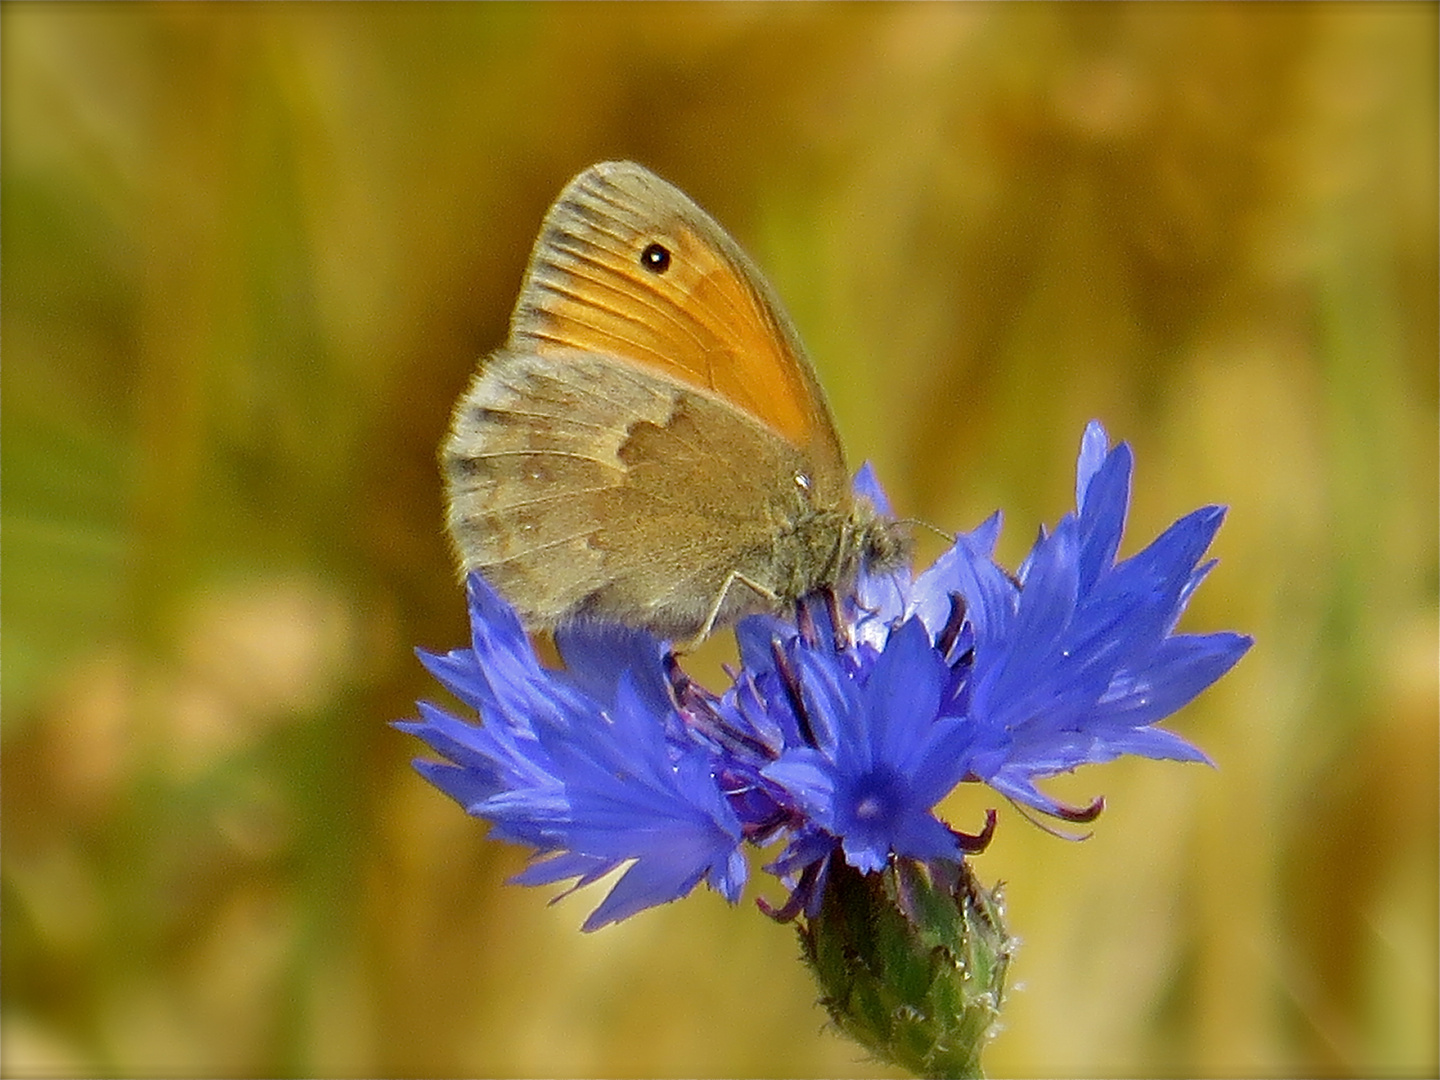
(838, 626)
(1079, 815)
(1065, 813)
(697, 708)
(805, 621)
(685, 692)
(953, 625)
(974, 843)
(798, 897)
(791, 682)
(760, 833)
(681, 685)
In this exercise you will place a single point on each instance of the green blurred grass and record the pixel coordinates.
(250, 255)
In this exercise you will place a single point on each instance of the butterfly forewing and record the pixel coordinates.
(706, 318)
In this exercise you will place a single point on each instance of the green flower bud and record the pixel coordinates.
(911, 963)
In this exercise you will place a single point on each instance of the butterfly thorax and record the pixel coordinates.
(825, 548)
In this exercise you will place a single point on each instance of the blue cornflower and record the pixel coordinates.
(583, 764)
(967, 673)
(839, 736)
(1075, 657)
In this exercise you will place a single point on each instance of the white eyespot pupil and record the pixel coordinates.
(656, 258)
(802, 481)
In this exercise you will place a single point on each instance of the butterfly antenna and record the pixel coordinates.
(949, 538)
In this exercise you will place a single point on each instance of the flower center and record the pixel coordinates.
(869, 808)
(876, 798)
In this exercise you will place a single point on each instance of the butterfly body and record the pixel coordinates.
(650, 446)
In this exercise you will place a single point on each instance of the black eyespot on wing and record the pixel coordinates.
(655, 258)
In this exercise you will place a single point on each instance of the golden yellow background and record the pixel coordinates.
(251, 255)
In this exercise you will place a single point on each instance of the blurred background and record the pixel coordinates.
(251, 256)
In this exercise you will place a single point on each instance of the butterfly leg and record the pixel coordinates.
(735, 578)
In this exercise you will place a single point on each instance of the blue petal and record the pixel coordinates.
(966, 569)
(903, 695)
(867, 485)
(1102, 514)
(597, 654)
(1179, 670)
(831, 700)
(809, 777)
(942, 761)
(1094, 445)
(562, 866)
(448, 736)
(467, 787)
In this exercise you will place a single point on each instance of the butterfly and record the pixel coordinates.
(651, 446)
